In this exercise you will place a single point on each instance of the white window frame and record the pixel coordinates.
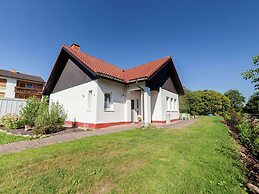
(175, 105)
(168, 104)
(90, 100)
(109, 109)
(171, 104)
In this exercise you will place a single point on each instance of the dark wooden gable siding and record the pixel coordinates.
(169, 85)
(163, 78)
(71, 76)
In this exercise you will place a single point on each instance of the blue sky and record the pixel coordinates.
(211, 42)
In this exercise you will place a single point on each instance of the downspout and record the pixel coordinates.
(142, 89)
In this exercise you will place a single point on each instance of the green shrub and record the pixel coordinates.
(233, 118)
(30, 111)
(12, 121)
(49, 121)
(249, 136)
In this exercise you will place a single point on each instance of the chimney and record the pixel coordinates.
(75, 46)
(13, 70)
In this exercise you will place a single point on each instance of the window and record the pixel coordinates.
(90, 96)
(172, 104)
(107, 101)
(168, 103)
(132, 105)
(175, 105)
(28, 85)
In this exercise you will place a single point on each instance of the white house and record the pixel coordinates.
(97, 94)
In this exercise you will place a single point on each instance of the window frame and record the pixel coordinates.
(168, 104)
(26, 86)
(110, 108)
(89, 100)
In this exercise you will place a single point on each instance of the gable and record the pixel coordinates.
(67, 72)
(169, 85)
(167, 78)
(71, 76)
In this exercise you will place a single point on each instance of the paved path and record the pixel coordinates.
(22, 145)
(177, 124)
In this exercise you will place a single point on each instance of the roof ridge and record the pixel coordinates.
(20, 73)
(150, 62)
(94, 57)
(102, 67)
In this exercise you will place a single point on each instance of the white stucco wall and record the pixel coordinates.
(75, 102)
(173, 114)
(118, 110)
(159, 105)
(10, 87)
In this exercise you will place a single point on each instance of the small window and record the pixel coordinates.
(107, 101)
(168, 103)
(90, 96)
(132, 105)
(172, 104)
(28, 85)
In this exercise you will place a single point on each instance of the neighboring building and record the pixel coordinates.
(18, 85)
(97, 94)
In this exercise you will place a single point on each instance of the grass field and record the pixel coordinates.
(202, 158)
(6, 138)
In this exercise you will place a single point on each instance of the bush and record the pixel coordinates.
(207, 102)
(49, 121)
(12, 121)
(30, 111)
(247, 129)
(233, 118)
(249, 136)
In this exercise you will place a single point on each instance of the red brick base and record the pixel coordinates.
(164, 122)
(103, 125)
(93, 125)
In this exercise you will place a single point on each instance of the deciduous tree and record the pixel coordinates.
(253, 74)
(236, 99)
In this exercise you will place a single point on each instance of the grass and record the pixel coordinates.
(6, 138)
(202, 158)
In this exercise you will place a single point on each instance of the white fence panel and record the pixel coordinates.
(11, 106)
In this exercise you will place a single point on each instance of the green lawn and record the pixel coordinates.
(199, 159)
(6, 138)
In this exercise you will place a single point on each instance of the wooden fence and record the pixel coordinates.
(10, 106)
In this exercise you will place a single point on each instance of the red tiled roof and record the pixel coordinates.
(146, 70)
(106, 69)
(97, 65)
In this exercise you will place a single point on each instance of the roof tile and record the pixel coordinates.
(103, 68)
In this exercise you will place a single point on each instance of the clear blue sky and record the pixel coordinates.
(212, 42)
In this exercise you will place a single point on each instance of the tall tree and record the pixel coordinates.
(184, 101)
(252, 106)
(236, 99)
(253, 74)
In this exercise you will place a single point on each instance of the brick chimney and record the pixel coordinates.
(75, 46)
(13, 70)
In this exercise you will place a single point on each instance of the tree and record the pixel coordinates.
(253, 74)
(252, 106)
(236, 99)
(208, 102)
(184, 101)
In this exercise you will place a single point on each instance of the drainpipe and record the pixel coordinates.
(143, 117)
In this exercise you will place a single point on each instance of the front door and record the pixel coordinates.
(133, 111)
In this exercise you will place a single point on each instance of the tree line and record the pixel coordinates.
(206, 102)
